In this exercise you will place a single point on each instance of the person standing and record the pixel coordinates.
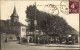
(6, 40)
(38, 40)
(28, 39)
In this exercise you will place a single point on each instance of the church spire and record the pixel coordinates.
(14, 12)
(14, 16)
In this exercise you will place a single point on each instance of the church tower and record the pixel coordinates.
(14, 17)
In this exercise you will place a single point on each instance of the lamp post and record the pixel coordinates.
(35, 23)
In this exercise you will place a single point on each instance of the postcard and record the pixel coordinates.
(39, 25)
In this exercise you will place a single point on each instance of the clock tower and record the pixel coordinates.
(14, 17)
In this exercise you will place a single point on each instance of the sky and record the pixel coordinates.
(21, 6)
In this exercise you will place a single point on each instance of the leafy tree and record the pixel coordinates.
(46, 22)
(30, 15)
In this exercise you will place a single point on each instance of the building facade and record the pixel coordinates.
(19, 28)
(13, 26)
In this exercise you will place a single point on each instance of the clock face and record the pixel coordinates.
(51, 9)
(64, 7)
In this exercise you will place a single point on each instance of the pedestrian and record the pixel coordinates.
(28, 38)
(38, 40)
(18, 38)
(6, 40)
(66, 40)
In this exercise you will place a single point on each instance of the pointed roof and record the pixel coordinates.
(14, 13)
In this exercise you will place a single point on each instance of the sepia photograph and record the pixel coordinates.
(39, 25)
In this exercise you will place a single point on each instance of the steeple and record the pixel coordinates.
(14, 16)
(14, 13)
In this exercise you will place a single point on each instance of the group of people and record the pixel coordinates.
(38, 40)
(45, 39)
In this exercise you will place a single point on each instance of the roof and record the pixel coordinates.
(6, 23)
(14, 13)
(3, 23)
(19, 24)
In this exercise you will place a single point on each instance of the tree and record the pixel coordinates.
(30, 15)
(46, 22)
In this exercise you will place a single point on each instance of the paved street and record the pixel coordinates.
(13, 45)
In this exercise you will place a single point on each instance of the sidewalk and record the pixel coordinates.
(53, 45)
(63, 45)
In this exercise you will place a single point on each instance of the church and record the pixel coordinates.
(13, 26)
(18, 27)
